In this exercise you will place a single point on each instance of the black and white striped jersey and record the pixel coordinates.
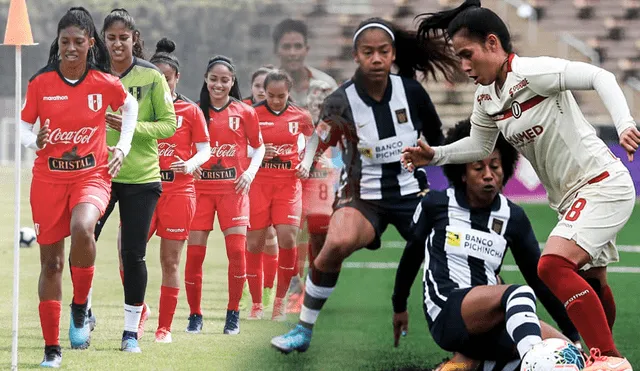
(372, 135)
(463, 247)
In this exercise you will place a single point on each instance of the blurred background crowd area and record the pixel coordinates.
(603, 32)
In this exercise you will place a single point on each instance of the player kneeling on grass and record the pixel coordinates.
(72, 173)
(177, 205)
(463, 234)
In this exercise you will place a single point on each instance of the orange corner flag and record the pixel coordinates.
(18, 27)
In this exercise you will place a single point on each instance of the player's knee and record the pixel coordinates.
(82, 230)
(288, 241)
(53, 266)
(132, 258)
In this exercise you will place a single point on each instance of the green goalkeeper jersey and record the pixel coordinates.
(156, 120)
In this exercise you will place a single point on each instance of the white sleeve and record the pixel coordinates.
(475, 147)
(129, 122)
(584, 76)
(256, 159)
(310, 150)
(202, 155)
(27, 137)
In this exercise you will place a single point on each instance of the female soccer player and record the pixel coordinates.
(270, 252)
(137, 187)
(177, 204)
(467, 229)
(276, 197)
(223, 188)
(72, 173)
(372, 117)
(529, 100)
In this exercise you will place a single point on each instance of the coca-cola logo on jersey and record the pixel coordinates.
(224, 150)
(166, 149)
(283, 149)
(81, 136)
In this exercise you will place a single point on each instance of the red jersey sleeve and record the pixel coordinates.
(118, 95)
(199, 131)
(307, 124)
(252, 128)
(29, 111)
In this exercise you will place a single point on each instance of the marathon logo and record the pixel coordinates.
(175, 230)
(55, 98)
(242, 217)
(219, 174)
(167, 175)
(525, 137)
(72, 164)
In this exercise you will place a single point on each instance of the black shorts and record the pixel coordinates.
(450, 333)
(381, 213)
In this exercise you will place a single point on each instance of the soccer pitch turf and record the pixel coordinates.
(353, 331)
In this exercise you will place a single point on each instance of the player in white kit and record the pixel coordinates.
(529, 100)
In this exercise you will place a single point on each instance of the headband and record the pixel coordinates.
(220, 61)
(373, 25)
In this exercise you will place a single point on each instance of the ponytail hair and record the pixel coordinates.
(164, 54)
(278, 75)
(204, 92)
(414, 54)
(98, 55)
(469, 17)
(122, 15)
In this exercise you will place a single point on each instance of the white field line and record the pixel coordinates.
(508, 268)
(401, 244)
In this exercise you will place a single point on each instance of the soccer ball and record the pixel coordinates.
(27, 236)
(553, 355)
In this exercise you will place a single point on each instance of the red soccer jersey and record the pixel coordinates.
(248, 101)
(231, 129)
(192, 128)
(286, 131)
(76, 112)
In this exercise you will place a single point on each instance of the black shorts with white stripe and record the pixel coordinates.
(380, 213)
(450, 333)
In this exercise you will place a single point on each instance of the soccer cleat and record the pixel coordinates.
(279, 310)
(144, 316)
(597, 362)
(297, 339)
(79, 328)
(245, 303)
(294, 304)
(130, 343)
(232, 323)
(195, 324)
(52, 357)
(457, 363)
(257, 311)
(92, 319)
(163, 336)
(267, 297)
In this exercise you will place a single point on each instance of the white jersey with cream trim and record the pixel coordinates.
(544, 123)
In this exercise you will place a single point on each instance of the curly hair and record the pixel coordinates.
(454, 172)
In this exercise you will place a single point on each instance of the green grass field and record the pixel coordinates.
(353, 332)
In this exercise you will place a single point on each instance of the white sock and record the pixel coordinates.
(89, 298)
(132, 314)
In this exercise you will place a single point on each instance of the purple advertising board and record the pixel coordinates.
(525, 186)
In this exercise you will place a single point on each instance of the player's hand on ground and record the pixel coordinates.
(179, 166)
(301, 171)
(43, 135)
(400, 326)
(114, 121)
(116, 161)
(269, 151)
(197, 173)
(413, 157)
(243, 183)
(629, 140)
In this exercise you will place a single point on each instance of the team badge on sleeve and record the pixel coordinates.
(293, 127)
(496, 226)
(401, 115)
(234, 123)
(179, 121)
(95, 102)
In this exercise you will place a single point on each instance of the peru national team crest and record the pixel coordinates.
(293, 127)
(95, 102)
(234, 123)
